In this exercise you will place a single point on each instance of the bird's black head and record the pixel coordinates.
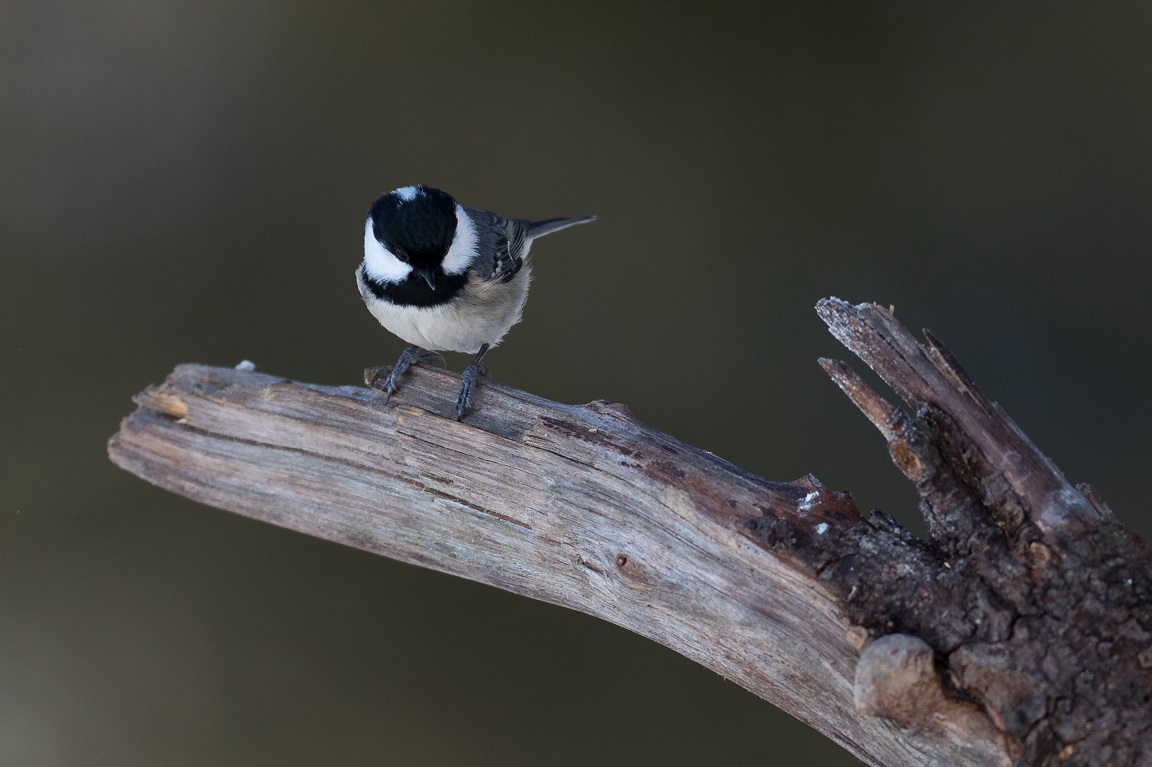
(416, 223)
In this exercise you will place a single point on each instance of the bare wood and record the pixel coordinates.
(780, 587)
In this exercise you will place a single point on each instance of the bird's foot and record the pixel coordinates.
(468, 383)
(467, 387)
(391, 382)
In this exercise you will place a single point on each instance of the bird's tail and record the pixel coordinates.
(541, 228)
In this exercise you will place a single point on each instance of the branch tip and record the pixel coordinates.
(889, 420)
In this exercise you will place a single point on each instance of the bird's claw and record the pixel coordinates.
(390, 386)
(391, 383)
(467, 387)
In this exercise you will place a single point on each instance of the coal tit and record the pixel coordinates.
(446, 278)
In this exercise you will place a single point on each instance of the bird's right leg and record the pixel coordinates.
(391, 382)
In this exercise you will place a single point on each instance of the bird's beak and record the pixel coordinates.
(429, 276)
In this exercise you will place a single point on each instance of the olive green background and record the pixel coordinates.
(186, 181)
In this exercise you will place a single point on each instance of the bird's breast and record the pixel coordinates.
(481, 313)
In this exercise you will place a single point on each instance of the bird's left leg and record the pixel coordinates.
(391, 382)
(468, 382)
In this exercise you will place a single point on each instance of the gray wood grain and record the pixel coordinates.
(583, 507)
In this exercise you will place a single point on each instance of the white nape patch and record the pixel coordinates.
(462, 252)
(407, 193)
(246, 366)
(379, 262)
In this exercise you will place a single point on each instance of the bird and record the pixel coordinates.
(444, 277)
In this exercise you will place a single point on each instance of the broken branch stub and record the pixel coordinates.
(1043, 601)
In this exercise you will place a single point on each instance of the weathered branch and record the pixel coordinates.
(1018, 633)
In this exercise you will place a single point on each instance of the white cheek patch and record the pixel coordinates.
(462, 252)
(379, 262)
(406, 193)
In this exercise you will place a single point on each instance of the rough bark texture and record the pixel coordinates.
(1034, 598)
(1020, 633)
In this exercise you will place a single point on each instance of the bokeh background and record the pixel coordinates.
(186, 181)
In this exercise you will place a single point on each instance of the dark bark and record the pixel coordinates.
(1034, 599)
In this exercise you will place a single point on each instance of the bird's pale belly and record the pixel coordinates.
(488, 312)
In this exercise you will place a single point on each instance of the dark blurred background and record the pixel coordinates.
(186, 181)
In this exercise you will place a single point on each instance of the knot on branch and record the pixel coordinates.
(897, 679)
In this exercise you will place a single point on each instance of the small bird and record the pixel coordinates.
(446, 278)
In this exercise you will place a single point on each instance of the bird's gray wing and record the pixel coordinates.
(500, 245)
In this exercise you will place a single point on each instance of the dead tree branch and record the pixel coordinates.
(1020, 633)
